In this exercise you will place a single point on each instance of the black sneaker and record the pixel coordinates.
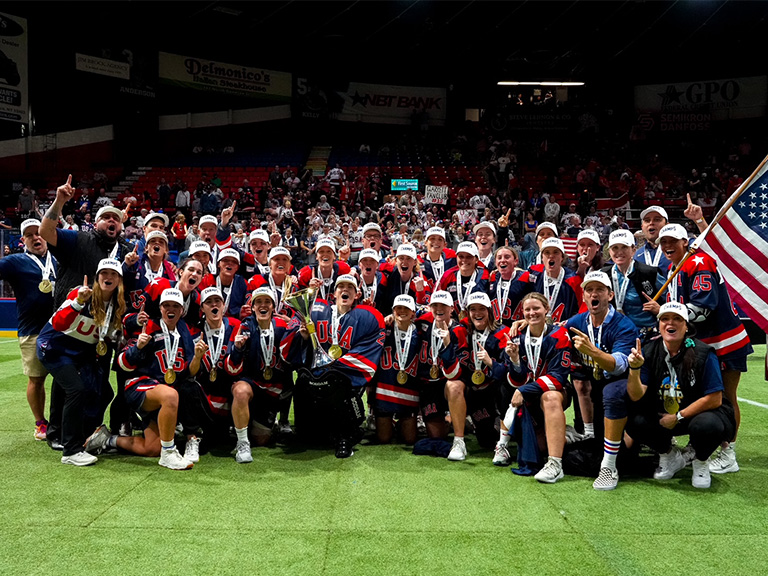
(55, 444)
(344, 448)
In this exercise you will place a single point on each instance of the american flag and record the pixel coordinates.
(739, 242)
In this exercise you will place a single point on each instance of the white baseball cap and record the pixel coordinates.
(110, 264)
(549, 225)
(589, 235)
(208, 219)
(326, 243)
(406, 250)
(110, 209)
(468, 248)
(371, 226)
(675, 231)
(484, 224)
(199, 246)
(479, 298)
(553, 242)
(675, 308)
(208, 292)
(441, 297)
(369, 253)
(29, 222)
(597, 276)
(153, 215)
(404, 300)
(279, 251)
(228, 253)
(659, 209)
(346, 278)
(624, 237)
(157, 234)
(172, 295)
(258, 235)
(263, 291)
(435, 231)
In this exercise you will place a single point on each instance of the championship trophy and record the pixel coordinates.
(302, 302)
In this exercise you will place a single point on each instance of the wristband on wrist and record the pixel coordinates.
(699, 221)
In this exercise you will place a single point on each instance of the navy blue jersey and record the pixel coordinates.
(136, 279)
(391, 286)
(249, 363)
(238, 293)
(462, 347)
(424, 325)
(511, 309)
(33, 307)
(569, 301)
(388, 389)
(151, 362)
(554, 365)
(151, 301)
(478, 282)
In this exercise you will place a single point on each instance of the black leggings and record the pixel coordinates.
(68, 398)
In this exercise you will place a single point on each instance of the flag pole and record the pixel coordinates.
(719, 216)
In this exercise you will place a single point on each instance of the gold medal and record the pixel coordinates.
(213, 374)
(45, 286)
(170, 376)
(462, 314)
(335, 351)
(478, 377)
(549, 320)
(101, 348)
(434, 372)
(267, 373)
(671, 405)
(402, 377)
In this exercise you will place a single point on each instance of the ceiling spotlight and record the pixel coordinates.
(538, 83)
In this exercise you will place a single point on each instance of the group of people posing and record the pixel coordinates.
(216, 348)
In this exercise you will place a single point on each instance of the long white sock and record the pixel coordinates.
(242, 434)
(167, 445)
(506, 425)
(611, 450)
(589, 429)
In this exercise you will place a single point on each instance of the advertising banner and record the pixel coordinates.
(386, 104)
(13, 69)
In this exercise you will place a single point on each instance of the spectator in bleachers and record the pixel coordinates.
(183, 199)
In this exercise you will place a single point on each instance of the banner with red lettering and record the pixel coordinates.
(379, 103)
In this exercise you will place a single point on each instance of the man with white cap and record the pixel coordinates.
(473, 389)
(602, 340)
(322, 275)
(152, 221)
(233, 287)
(466, 277)
(402, 277)
(653, 219)
(259, 372)
(487, 236)
(544, 231)
(700, 287)
(151, 265)
(160, 361)
(32, 275)
(328, 397)
(396, 382)
(79, 253)
(372, 237)
(438, 257)
(560, 286)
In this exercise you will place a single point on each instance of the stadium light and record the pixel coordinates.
(515, 83)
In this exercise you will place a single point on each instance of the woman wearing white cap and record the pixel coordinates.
(437, 259)
(473, 390)
(396, 380)
(677, 388)
(700, 287)
(652, 220)
(467, 277)
(370, 277)
(160, 361)
(71, 347)
(532, 255)
(539, 366)
(561, 286)
(322, 276)
(402, 277)
(259, 372)
(277, 279)
(233, 287)
(151, 266)
(589, 254)
(505, 287)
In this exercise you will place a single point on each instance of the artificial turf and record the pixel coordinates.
(383, 511)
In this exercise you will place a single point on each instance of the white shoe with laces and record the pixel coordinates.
(243, 452)
(724, 462)
(79, 459)
(458, 450)
(96, 442)
(173, 460)
(192, 449)
(701, 477)
(502, 456)
(669, 464)
(551, 473)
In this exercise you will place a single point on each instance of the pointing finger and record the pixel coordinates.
(136, 248)
(69, 180)
(85, 280)
(578, 333)
(689, 199)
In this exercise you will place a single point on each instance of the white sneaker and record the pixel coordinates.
(689, 454)
(173, 460)
(370, 422)
(80, 459)
(421, 427)
(724, 462)
(96, 442)
(502, 457)
(669, 464)
(243, 452)
(608, 479)
(192, 450)
(701, 477)
(458, 450)
(551, 473)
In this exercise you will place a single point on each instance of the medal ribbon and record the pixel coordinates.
(267, 342)
(462, 295)
(620, 285)
(403, 345)
(478, 340)
(227, 293)
(533, 351)
(170, 351)
(47, 270)
(552, 297)
(214, 351)
(108, 318)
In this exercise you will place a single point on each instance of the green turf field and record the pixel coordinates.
(383, 511)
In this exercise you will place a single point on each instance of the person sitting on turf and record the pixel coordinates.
(678, 377)
(538, 371)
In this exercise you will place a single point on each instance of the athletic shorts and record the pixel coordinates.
(737, 364)
(136, 392)
(29, 361)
